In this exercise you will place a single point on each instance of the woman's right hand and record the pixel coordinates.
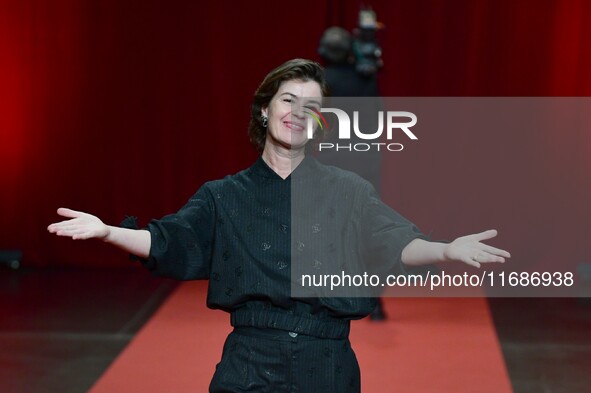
(80, 225)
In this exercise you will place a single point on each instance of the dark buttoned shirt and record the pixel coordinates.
(254, 235)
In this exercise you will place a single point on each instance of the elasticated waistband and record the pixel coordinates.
(297, 323)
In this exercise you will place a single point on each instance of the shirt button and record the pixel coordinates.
(292, 334)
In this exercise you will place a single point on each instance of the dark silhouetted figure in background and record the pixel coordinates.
(346, 78)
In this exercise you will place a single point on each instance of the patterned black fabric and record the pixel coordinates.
(276, 361)
(237, 232)
(244, 232)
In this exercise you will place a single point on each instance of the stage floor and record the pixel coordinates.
(61, 329)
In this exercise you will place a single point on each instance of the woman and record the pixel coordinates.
(242, 234)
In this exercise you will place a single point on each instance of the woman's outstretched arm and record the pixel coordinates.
(468, 249)
(86, 226)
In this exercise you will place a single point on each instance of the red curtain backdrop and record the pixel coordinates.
(127, 107)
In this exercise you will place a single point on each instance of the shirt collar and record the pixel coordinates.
(306, 168)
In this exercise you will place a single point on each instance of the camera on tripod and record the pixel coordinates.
(361, 48)
(367, 51)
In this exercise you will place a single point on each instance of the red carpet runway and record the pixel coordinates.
(427, 345)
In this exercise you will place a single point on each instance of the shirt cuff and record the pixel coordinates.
(130, 222)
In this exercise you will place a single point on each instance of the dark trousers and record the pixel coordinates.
(277, 361)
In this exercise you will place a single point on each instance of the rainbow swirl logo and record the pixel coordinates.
(315, 115)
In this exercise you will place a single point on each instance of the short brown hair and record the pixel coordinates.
(295, 69)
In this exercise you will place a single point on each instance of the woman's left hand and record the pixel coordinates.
(470, 249)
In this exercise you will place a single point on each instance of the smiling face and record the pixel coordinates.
(286, 118)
